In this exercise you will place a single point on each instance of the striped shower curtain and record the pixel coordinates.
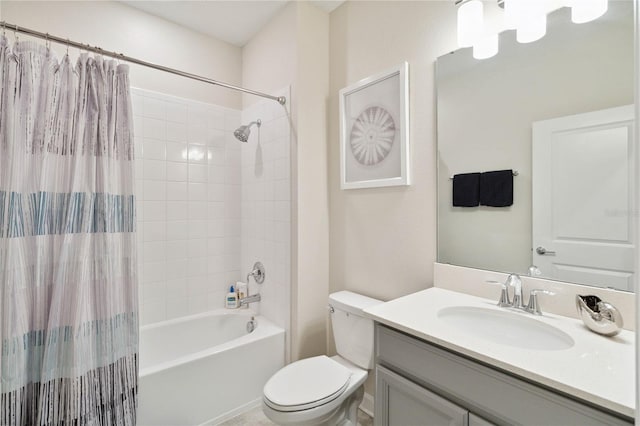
(68, 273)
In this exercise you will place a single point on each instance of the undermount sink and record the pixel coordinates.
(507, 328)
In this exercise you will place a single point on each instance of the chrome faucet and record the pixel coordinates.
(258, 275)
(513, 280)
(250, 299)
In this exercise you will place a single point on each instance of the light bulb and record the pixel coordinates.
(531, 20)
(532, 28)
(512, 13)
(587, 10)
(486, 47)
(470, 22)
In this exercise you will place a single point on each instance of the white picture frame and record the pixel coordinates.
(374, 131)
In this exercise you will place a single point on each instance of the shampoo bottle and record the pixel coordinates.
(241, 289)
(231, 302)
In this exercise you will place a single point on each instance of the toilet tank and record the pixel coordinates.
(353, 333)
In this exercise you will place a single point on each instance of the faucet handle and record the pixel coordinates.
(257, 273)
(534, 306)
(504, 293)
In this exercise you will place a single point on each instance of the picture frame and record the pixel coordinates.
(374, 131)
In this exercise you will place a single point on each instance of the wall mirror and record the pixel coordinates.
(559, 111)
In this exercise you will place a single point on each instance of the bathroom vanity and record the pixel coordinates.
(430, 370)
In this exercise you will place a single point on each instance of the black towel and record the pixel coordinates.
(466, 190)
(496, 188)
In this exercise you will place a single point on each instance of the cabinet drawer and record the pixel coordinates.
(494, 395)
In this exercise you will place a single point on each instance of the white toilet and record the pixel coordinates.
(323, 390)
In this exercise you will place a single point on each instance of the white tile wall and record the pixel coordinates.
(210, 206)
(188, 173)
(265, 208)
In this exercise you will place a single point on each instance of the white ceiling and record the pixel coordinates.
(233, 21)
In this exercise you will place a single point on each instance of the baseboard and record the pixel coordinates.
(233, 413)
(367, 404)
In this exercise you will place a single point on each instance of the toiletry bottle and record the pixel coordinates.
(241, 288)
(231, 302)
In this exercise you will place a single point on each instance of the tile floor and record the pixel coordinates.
(255, 417)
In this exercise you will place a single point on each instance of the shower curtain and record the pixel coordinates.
(68, 273)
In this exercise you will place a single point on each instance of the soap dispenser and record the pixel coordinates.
(231, 302)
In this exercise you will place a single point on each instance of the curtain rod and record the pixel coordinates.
(15, 28)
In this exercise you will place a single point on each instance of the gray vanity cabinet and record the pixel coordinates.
(418, 383)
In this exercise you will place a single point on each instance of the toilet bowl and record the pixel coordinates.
(327, 390)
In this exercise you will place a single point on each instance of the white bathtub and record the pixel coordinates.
(205, 368)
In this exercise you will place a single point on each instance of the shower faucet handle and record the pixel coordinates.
(258, 273)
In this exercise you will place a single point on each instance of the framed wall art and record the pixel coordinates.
(374, 130)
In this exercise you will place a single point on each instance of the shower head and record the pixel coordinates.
(242, 133)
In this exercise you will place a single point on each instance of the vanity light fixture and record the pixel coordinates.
(486, 47)
(527, 17)
(532, 29)
(587, 10)
(512, 13)
(470, 22)
(471, 30)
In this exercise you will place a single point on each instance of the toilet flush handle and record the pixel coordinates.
(330, 309)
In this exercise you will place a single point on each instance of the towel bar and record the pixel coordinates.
(515, 173)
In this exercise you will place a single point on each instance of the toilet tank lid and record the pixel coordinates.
(351, 302)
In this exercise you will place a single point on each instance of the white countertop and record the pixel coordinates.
(597, 369)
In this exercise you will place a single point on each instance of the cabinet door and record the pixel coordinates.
(478, 421)
(400, 402)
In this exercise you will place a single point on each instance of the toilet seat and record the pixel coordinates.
(306, 384)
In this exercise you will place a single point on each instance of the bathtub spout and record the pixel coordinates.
(250, 299)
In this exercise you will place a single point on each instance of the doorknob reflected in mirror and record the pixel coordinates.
(541, 251)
